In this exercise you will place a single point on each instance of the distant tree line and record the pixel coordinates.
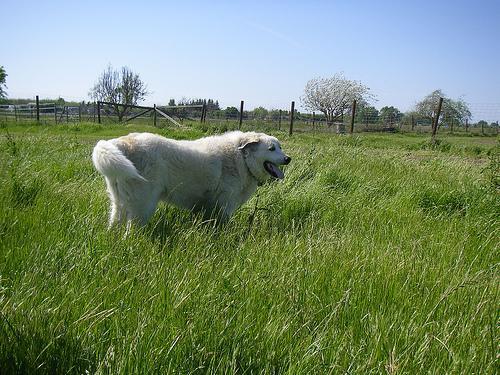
(60, 102)
(331, 99)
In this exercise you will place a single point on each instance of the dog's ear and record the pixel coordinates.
(246, 142)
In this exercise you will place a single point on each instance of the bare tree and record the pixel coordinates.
(120, 87)
(334, 96)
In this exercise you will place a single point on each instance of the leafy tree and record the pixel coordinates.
(334, 96)
(212, 105)
(452, 110)
(482, 123)
(390, 115)
(120, 87)
(184, 101)
(231, 112)
(274, 114)
(3, 86)
(366, 114)
(457, 111)
(427, 107)
(260, 113)
(407, 118)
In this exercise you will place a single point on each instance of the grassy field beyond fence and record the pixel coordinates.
(377, 253)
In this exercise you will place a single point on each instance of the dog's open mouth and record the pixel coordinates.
(273, 170)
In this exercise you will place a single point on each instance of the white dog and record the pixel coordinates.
(214, 175)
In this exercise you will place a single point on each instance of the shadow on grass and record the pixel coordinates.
(30, 348)
(172, 226)
(439, 203)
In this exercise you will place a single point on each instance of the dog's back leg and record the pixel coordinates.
(140, 201)
(139, 212)
(116, 214)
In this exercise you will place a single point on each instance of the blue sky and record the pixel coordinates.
(261, 52)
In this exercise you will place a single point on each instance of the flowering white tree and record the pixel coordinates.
(3, 75)
(334, 96)
(453, 110)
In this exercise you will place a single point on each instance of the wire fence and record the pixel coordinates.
(485, 115)
(48, 112)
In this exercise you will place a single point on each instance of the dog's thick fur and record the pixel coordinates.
(214, 175)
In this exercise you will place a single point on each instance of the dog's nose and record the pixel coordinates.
(288, 159)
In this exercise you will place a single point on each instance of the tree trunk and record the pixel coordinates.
(330, 121)
(118, 113)
(340, 125)
(121, 113)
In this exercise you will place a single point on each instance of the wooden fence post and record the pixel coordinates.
(353, 113)
(292, 111)
(412, 123)
(67, 113)
(436, 120)
(98, 112)
(241, 114)
(466, 125)
(202, 113)
(37, 109)
(313, 121)
(154, 115)
(55, 113)
(15, 111)
(205, 113)
(80, 113)
(482, 127)
(279, 121)
(451, 126)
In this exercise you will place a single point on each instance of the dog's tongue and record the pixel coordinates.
(277, 172)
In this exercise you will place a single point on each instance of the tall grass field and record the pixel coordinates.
(377, 254)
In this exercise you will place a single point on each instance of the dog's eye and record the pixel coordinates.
(272, 148)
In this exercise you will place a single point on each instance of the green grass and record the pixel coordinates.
(376, 254)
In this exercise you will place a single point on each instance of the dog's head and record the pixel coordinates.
(263, 155)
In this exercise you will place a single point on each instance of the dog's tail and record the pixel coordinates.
(111, 162)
